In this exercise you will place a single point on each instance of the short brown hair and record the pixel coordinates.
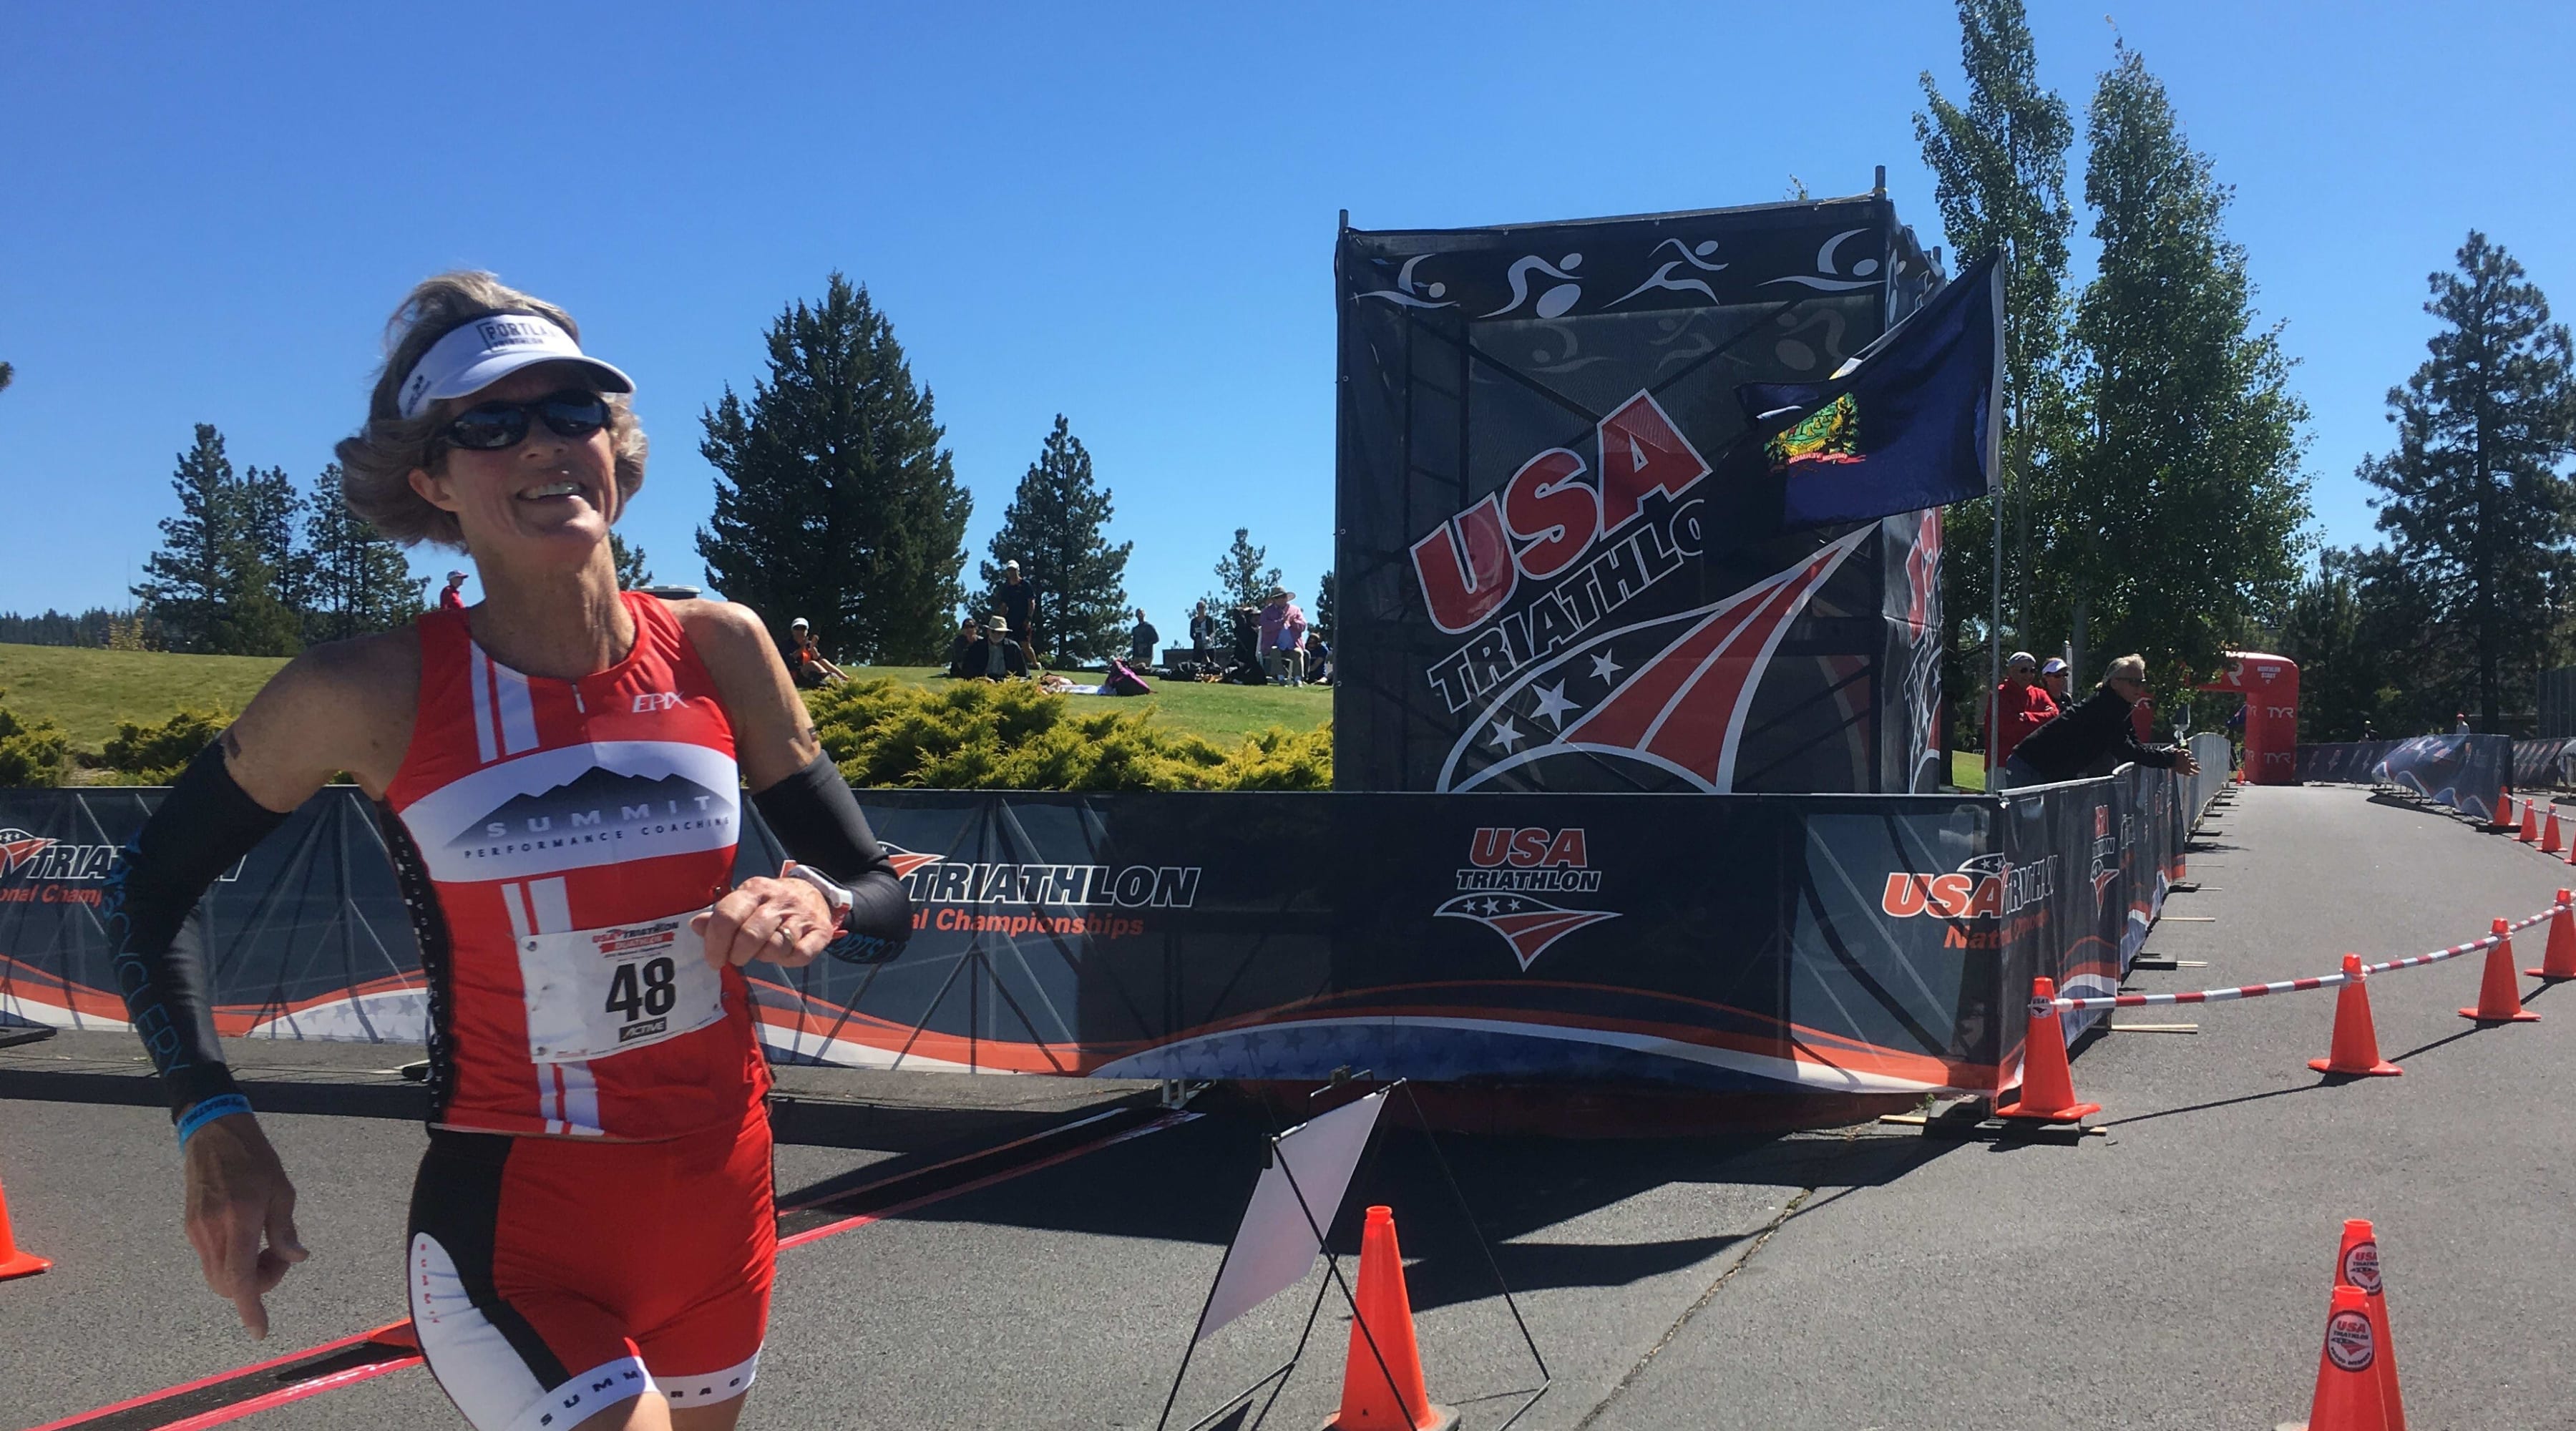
(376, 462)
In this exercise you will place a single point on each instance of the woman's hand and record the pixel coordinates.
(237, 1191)
(785, 921)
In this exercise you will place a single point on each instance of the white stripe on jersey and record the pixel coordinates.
(478, 667)
(518, 714)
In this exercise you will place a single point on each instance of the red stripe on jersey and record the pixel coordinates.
(536, 806)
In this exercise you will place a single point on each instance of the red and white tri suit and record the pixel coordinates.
(594, 1214)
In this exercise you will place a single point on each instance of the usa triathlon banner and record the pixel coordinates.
(2465, 772)
(1850, 943)
(1545, 582)
(2092, 861)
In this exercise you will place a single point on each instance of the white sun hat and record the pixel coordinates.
(477, 354)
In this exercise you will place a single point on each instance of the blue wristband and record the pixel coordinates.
(207, 1110)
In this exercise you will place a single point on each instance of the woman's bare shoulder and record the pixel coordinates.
(340, 706)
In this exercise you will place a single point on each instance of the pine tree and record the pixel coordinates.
(2182, 496)
(222, 581)
(357, 580)
(1322, 622)
(2473, 493)
(834, 499)
(1241, 578)
(186, 582)
(632, 573)
(2000, 180)
(8, 374)
(1053, 529)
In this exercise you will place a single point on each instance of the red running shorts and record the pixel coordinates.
(553, 1277)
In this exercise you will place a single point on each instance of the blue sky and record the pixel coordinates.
(1124, 214)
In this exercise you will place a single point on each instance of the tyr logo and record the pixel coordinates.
(651, 701)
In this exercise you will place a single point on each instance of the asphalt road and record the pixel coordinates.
(2172, 1273)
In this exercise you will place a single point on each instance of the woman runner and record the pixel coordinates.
(559, 773)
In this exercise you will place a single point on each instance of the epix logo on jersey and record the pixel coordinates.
(578, 806)
(1504, 863)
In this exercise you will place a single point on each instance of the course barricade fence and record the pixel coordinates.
(1829, 943)
(2464, 772)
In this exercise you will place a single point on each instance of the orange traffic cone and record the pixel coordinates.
(2348, 1397)
(2558, 961)
(2549, 831)
(2499, 997)
(14, 1263)
(2357, 1265)
(2530, 822)
(1382, 1376)
(2356, 1044)
(2047, 1085)
(2503, 812)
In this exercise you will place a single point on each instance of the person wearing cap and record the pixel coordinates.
(967, 632)
(806, 662)
(559, 772)
(994, 656)
(1283, 639)
(1019, 605)
(2092, 730)
(452, 596)
(2052, 679)
(2018, 708)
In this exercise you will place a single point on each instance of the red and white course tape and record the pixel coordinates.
(2285, 986)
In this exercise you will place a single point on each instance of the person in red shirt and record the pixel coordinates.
(453, 597)
(2020, 706)
(561, 773)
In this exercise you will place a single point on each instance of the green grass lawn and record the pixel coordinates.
(1968, 770)
(1224, 714)
(87, 692)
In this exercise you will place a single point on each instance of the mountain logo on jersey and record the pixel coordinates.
(597, 804)
(579, 806)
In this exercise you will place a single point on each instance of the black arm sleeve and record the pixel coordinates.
(206, 824)
(816, 817)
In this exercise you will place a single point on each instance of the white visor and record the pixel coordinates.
(490, 348)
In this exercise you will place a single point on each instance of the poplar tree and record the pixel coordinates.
(1999, 170)
(357, 580)
(2177, 520)
(2473, 493)
(1322, 622)
(834, 499)
(1053, 529)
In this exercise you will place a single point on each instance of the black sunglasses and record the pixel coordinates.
(493, 426)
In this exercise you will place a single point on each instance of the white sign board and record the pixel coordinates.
(1276, 1246)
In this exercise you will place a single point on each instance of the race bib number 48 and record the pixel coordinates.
(595, 993)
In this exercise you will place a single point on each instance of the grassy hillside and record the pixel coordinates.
(1224, 714)
(87, 692)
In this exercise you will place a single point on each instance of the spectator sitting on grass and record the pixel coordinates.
(968, 633)
(994, 656)
(806, 662)
(2091, 729)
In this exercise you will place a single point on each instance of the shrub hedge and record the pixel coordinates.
(981, 735)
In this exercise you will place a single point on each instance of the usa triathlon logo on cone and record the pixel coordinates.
(1510, 871)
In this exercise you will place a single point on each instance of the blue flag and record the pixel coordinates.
(1912, 422)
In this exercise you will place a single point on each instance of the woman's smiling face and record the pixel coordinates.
(548, 498)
